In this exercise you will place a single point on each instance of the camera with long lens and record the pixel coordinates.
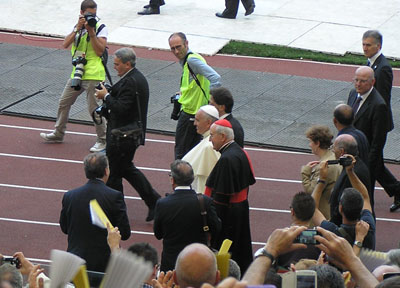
(91, 19)
(79, 63)
(102, 110)
(177, 106)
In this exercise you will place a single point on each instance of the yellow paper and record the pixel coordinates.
(81, 279)
(98, 216)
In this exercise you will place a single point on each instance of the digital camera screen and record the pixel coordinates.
(305, 281)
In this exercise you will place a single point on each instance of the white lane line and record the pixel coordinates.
(150, 140)
(56, 224)
(138, 198)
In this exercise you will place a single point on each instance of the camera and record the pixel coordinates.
(177, 106)
(299, 279)
(102, 110)
(175, 98)
(79, 63)
(307, 237)
(91, 19)
(344, 161)
(11, 260)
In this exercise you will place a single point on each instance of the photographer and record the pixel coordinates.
(88, 40)
(197, 79)
(358, 226)
(346, 144)
(126, 126)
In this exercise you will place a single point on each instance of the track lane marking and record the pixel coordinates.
(138, 198)
(147, 139)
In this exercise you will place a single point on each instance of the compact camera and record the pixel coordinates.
(79, 63)
(344, 161)
(11, 260)
(307, 237)
(300, 279)
(91, 19)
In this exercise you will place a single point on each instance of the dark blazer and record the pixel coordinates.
(383, 83)
(122, 103)
(178, 222)
(237, 130)
(343, 182)
(372, 120)
(85, 239)
(362, 141)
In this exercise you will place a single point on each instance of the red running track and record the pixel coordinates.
(34, 175)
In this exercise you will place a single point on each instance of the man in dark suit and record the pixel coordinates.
(85, 239)
(346, 144)
(178, 220)
(343, 117)
(221, 98)
(126, 105)
(372, 45)
(371, 117)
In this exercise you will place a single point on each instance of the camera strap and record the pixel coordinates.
(203, 213)
(194, 75)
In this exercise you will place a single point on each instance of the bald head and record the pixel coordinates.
(364, 79)
(343, 115)
(195, 265)
(345, 144)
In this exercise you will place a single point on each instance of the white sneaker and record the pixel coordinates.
(98, 146)
(52, 137)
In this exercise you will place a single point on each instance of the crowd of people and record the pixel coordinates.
(212, 174)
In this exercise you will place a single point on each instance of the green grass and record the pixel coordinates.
(273, 51)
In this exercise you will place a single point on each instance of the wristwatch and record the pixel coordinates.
(358, 244)
(75, 30)
(263, 252)
(321, 181)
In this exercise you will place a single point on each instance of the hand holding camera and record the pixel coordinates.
(345, 160)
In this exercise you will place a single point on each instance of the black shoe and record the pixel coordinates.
(250, 10)
(146, 6)
(149, 11)
(150, 215)
(396, 204)
(221, 15)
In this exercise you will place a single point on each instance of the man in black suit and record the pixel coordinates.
(221, 98)
(178, 220)
(126, 106)
(372, 45)
(371, 117)
(85, 239)
(346, 144)
(343, 117)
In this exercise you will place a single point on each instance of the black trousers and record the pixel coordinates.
(232, 6)
(156, 3)
(186, 136)
(120, 155)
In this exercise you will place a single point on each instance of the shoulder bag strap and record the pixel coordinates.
(203, 213)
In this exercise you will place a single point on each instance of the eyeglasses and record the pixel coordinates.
(362, 81)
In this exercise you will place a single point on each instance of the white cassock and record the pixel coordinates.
(203, 158)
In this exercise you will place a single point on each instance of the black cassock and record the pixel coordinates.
(228, 185)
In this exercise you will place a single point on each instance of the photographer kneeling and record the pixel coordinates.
(125, 108)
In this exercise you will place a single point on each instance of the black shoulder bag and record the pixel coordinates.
(203, 213)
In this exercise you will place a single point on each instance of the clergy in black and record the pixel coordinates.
(228, 185)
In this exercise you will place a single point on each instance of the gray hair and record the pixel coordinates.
(374, 34)
(126, 55)
(16, 276)
(228, 132)
(95, 165)
(182, 172)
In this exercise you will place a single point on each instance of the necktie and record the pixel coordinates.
(368, 63)
(356, 104)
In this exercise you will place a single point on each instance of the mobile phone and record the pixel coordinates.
(307, 237)
(299, 279)
(390, 274)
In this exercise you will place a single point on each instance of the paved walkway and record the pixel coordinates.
(276, 100)
(334, 27)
